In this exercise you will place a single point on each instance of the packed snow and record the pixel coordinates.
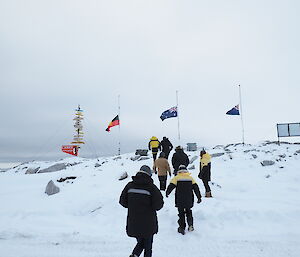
(255, 209)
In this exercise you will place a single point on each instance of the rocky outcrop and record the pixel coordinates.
(53, 168)
(51, 188)
(32, 170)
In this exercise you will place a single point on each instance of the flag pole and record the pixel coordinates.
(119, 110)
(241, 109)
(177, 116)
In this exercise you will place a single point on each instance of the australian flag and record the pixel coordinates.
(172, 112)
(234, 111)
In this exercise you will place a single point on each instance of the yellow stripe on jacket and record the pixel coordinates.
(183, 176)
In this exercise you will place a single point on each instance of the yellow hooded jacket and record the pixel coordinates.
(205, 160)
(154, 143)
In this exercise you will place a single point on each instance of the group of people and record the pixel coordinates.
(143, 199)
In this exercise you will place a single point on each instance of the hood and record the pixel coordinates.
(153, 138)
(142, 179)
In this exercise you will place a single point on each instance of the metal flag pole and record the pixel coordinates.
(119, 108)
(177, 116)
(241, 110)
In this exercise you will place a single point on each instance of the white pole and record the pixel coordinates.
(119, 108)
(178, 116)
(241, 110)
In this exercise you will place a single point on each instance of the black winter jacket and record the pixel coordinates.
(143, 199)
(179, 158)
(185, 186)
(166, 145)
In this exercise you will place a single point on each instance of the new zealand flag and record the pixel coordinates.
(234, 111)
(172, 112)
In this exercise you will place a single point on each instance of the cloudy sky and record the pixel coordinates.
(57, 54)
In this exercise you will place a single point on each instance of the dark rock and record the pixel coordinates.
(141, 152)
(268, 176)
(267, 163)
(64, 179)
(97, 165)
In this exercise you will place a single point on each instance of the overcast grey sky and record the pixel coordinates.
(56, 54)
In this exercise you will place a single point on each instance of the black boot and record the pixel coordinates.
(181, 230)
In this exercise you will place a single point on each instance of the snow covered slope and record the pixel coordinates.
(255, 210)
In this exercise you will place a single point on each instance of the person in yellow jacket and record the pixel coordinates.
(162, 167)
(154, 145)
(205, 174)
(186, 187)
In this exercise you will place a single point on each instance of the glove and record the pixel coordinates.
(167, 195)
(155, 172)
(170, 174)
(199, 200)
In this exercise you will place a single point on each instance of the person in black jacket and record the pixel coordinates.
(184, 198)
(166, 146)
(143, 199)
(179, 158)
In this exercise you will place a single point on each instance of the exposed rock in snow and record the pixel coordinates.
(267, 163)
(32, 170)
(117, 158)
(141, 152)
(53, 168)
(193, 159)
(97, 165)
(142, 158)
(216, 154)
(64, 179)
(135, 158)
(254, 156)
(192, 167)
(51, 188)
(123, 176)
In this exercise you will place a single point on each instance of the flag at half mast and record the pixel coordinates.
(114, 122)
(172, 112)
(234, 111)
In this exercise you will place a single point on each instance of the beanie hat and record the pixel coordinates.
(145, 169)
(182, 168)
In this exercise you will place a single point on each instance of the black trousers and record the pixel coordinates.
(154, 153)
(206, 185)
(162, 182)
(182, 213)
(143, 244)
(167, 154)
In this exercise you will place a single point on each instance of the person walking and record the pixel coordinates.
(142, 199)
(166, 146)
(179, 158)
(185, 186)
(154, 145)
(162, 167)
(204, 174)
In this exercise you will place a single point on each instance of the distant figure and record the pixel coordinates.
(154, 145)
(166, 146)
(204, 174)
(162, 167)
(184, 197)
(179, 158)
(143, 199)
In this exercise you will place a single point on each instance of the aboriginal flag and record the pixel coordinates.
(114, 122)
